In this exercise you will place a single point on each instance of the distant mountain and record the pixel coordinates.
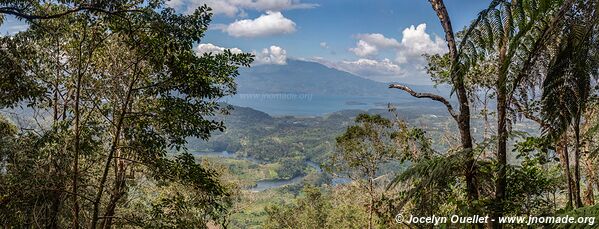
(313, 78)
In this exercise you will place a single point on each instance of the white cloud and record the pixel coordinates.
(370, 44)
(364, 49)
(379, 70)
(408, 64)
(324, 45)
(379, 40)
(272, 55)
(236, 7)
(271, 23)
(416, 42)
(210, 48)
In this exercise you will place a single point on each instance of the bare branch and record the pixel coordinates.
(432, 96)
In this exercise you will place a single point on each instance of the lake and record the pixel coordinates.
(306, 104)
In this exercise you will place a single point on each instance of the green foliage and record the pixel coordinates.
(119, 85)
(13, 59)
(430, 184)
(317, 209)
(291, 167)
(532, 188)
(122, 93)
(365, 146)
(567, 86)
(588, 212)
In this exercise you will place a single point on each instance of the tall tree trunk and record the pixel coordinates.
(562, 150)
(370, 205)
(463, 118)
(500, 184)
(502, 104)
(113, 148)
(77, 142)
(578, 199)
(591, 173)
(55, 196)
(118, 191)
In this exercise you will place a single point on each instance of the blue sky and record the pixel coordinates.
(381, 40)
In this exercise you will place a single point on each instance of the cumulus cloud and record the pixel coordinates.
(379, 40)
(369, 44)
(271, 23)
(324, 45)
(272, 55)
(236, 7)
(408, 62)
(364, 49)
(416, 42)
(210, 48)
(379, 70)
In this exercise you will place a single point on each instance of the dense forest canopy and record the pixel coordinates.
(117, 85)
(116, 98)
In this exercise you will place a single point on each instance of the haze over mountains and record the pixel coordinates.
(306, 77)
(304, 88)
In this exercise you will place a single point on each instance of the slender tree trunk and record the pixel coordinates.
(578, 199)
(118, 192)
(562, 150)
(370, 204)
(589, 197)
(113, 149)
(77, 145)
(463, 119)
(76, 162)
(56, 195)
(500, 184)
(55, 207)
(114, 199)
(502, 104)
(57, 81)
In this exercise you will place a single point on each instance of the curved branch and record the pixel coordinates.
(432, 96)
(529, 115)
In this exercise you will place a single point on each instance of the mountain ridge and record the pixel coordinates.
(307, 77)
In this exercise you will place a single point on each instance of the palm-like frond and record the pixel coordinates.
(567, 86)
(589, 211)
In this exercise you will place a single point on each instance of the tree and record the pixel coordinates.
(511, 33)
(373, 142)
(124, 87)
(567, 86)
(311, 211)
(363, 148)
(462, 116)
